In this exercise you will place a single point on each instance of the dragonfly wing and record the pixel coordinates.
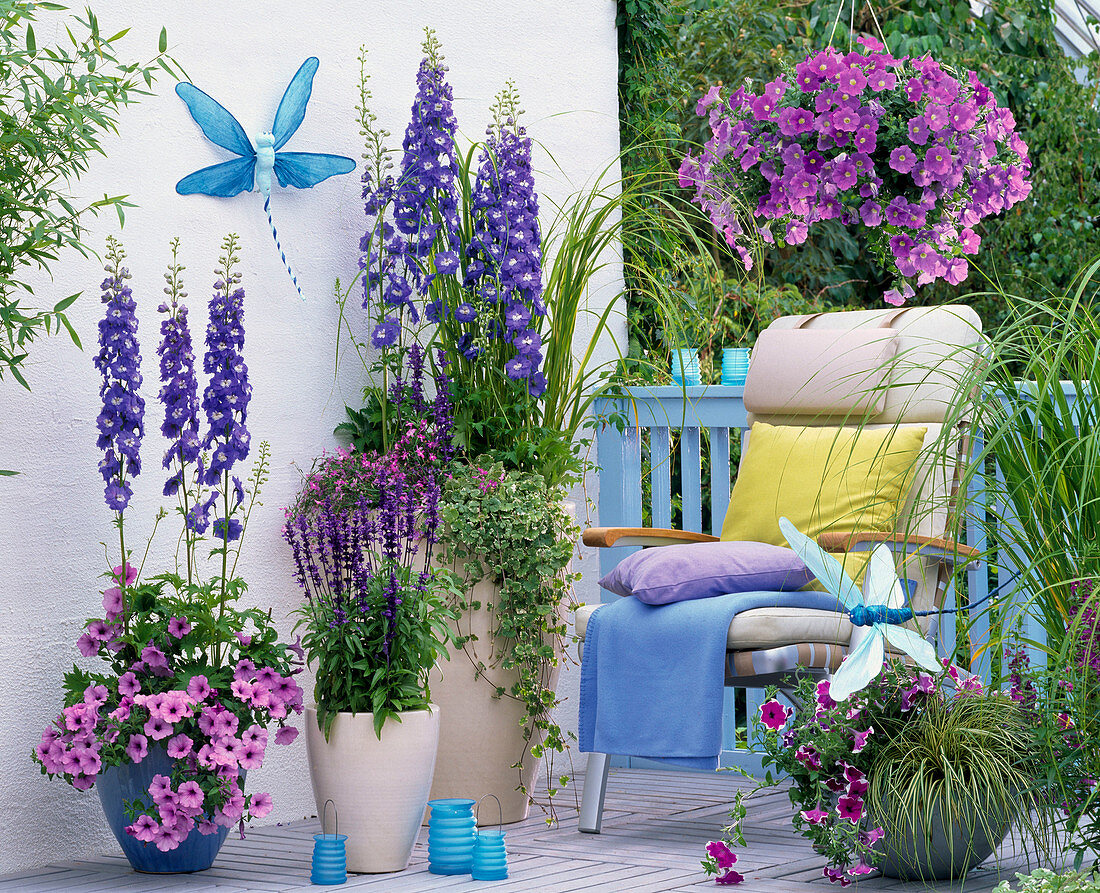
(859, 667)
(224, 180)
(220, 127)
(880, 583)
(306, 169)
(915, 646)
(292, 107)
(821, 564)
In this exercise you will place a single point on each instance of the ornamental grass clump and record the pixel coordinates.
(915, 153)
(188, 672)
(362, 532)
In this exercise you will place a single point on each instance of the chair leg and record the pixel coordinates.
(595, 787)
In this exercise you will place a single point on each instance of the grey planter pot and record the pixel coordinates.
(944, 851)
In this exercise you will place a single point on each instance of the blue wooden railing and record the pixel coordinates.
(713, 418)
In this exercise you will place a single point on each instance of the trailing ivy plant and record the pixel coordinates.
(56, 103)
(508, 527)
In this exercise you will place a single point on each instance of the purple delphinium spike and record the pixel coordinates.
(504, 272)
(121, 423)
(179, 387)
(225, 400)
(426, 202)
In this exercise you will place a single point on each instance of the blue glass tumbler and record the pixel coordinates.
(451, 836)
(490, 859)
(330, 862)
(735, 366)
(685, 367)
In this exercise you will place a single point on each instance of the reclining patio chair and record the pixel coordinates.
(896, 371)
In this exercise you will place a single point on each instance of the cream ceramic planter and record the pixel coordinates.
(379, 787)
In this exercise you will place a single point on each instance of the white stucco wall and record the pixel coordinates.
(52, 517)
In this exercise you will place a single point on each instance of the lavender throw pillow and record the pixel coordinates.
(678, 573)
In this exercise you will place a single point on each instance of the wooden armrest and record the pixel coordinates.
(642, 536)
(844, 542)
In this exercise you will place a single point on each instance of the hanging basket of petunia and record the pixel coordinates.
(902, 146)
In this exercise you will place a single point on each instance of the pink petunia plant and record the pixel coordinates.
(915, 153)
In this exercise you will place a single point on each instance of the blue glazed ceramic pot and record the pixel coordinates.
(130, 782)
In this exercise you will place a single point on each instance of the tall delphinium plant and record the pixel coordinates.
(189, 675)
(121, 423)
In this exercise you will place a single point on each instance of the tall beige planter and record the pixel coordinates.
(480, 736)
(379, 787)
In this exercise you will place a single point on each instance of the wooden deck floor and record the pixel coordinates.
(654, 830)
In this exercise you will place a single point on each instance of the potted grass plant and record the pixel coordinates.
(915, 776)
(167, 731)
(375, 621)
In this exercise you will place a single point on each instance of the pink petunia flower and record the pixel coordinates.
(137, 748)
(259, 804)
(815, 816)
(198, 688)
(729, 877)
(179, 746)
(285, 735)
(178, 627)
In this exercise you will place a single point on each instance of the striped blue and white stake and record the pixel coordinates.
(282, 254)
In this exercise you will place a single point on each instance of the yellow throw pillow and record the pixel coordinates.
(823, 479)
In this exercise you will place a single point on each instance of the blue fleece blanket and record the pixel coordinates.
(652, 676)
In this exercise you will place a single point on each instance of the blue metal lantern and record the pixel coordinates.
(330, 862)
(451, 836)
(490, 859)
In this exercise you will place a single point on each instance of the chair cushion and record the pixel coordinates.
(703, 570)
(822, 479)
(766, 627)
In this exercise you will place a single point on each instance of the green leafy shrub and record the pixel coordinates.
(56, 103)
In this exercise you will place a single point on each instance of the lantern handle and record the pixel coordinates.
(500, 810)
(335, 815)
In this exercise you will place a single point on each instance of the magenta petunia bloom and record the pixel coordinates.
(179, 746)
(720, 852)
(918, 131)
(259, 804)
(850, 808)
(198, 688)
(774, 715)
(859, 739)
(729, 877)
(815, 816)
(913, 90)
(178, 627)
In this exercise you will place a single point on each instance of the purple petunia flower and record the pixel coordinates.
(121, 423)
(902, 159)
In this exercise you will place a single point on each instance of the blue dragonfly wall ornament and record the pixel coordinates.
(256, 165)
(881, 606)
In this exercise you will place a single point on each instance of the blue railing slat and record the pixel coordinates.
(660, 457)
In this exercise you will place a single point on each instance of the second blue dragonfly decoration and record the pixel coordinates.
(255, 166)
